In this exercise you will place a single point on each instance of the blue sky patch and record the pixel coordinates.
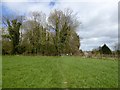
(52, 3)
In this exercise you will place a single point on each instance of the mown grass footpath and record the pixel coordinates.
(58, 72)
(0, 71)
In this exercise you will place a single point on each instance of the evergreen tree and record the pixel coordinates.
(13, 34)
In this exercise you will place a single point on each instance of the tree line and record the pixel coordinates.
(38, 34)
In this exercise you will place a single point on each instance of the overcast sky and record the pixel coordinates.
(99, 18)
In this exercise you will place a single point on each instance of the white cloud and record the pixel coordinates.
(60, 0)
(15, 0)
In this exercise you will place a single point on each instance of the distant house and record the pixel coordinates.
(87, 54)
(105, 50)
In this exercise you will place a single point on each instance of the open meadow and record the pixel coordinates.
(0, 71)
(58, 72)
(59, 44)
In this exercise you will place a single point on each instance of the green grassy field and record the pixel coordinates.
(58, 72)
(0, 71)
